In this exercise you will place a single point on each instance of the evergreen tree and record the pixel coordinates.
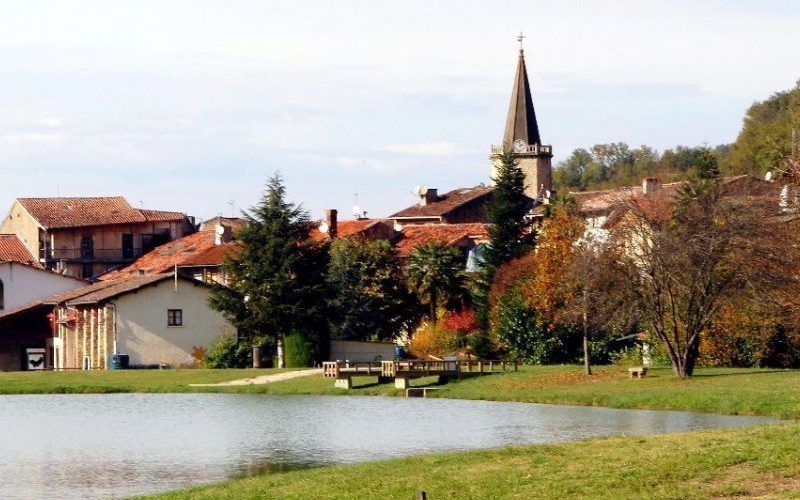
(369, 300)
(509, 235)
(276, 281)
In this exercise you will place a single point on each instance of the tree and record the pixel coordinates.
(765, 139)
(691, 255)
(276, 281)
(510, 232)
(369, 299)
(436, 276)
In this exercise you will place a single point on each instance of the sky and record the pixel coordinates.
(193, 105)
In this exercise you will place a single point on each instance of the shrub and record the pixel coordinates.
(517, 326)
(433, 339)
(229, 352)
(299, 351)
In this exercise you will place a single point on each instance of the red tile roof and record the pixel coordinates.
(416, 235)
(198, 249)
(350, 227)
(55, 213)
(603, 202)
(446, 203)
(13, 250)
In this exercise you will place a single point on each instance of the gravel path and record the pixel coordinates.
(265, 379)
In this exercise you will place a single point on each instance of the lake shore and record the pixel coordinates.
(761, 461)
(732, 391)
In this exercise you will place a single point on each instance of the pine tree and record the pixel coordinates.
(509, 235)
(276, 281)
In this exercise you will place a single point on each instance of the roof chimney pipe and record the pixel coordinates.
(430, 195)
(331, 218)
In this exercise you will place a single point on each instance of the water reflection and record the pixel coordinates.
(83, 446)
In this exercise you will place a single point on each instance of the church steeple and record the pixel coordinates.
(522, 138)
(521, 122)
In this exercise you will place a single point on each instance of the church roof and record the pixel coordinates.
(521, 122)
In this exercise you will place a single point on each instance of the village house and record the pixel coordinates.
(157, 320)
(199, 255)
(23, 280)
(85, 237)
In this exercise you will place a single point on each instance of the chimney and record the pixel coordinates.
(222, 234)
(331, 218)
(429, 196)
(651, 185)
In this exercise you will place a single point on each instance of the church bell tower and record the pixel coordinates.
(522, 137)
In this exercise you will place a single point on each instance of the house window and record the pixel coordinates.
(174, 317)
(87, 247)
(127, 246)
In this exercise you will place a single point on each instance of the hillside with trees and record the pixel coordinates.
(763, 145)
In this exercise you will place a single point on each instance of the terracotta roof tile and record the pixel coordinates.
(198, 249)
(446, 203)
(54, 213)
(416, 235)
(13, 250)
(349, 227)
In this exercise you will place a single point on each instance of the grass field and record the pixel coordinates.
(774, 393)
(117, 381)
(762, 462)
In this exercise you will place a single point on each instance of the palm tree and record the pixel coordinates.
(436, 275)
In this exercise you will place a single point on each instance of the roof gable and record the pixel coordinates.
(446, 203)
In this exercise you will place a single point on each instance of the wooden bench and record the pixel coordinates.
(637, 372)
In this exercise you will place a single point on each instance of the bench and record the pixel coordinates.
(637, 372)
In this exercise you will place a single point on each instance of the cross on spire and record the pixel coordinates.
(520, 37)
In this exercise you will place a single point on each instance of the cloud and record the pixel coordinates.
(51, 121)
(422, 149)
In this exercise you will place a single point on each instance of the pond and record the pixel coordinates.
(99, 446)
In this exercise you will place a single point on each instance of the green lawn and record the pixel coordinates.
(762, 461)
(773, 393)
(117, 381)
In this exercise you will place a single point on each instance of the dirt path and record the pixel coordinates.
(265, 379)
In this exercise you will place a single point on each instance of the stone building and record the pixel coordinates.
(85, 237)
(522, 138)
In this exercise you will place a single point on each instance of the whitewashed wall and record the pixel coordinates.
(23, 285)
(142, 330)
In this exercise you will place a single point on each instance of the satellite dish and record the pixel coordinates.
(220, 229)
(768, 177)
(323, 227)
(423, 188)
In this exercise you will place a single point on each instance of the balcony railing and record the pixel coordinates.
(528, 149)
(89, 255)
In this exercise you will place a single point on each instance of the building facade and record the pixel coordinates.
(85, 237)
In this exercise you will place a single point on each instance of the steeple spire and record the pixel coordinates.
(521, 121)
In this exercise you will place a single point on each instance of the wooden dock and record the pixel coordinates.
(402, 371)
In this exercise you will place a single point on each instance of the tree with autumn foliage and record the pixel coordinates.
(691, 256)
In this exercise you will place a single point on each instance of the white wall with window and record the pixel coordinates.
(159, 325)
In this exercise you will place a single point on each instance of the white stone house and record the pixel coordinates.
(155, 320)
